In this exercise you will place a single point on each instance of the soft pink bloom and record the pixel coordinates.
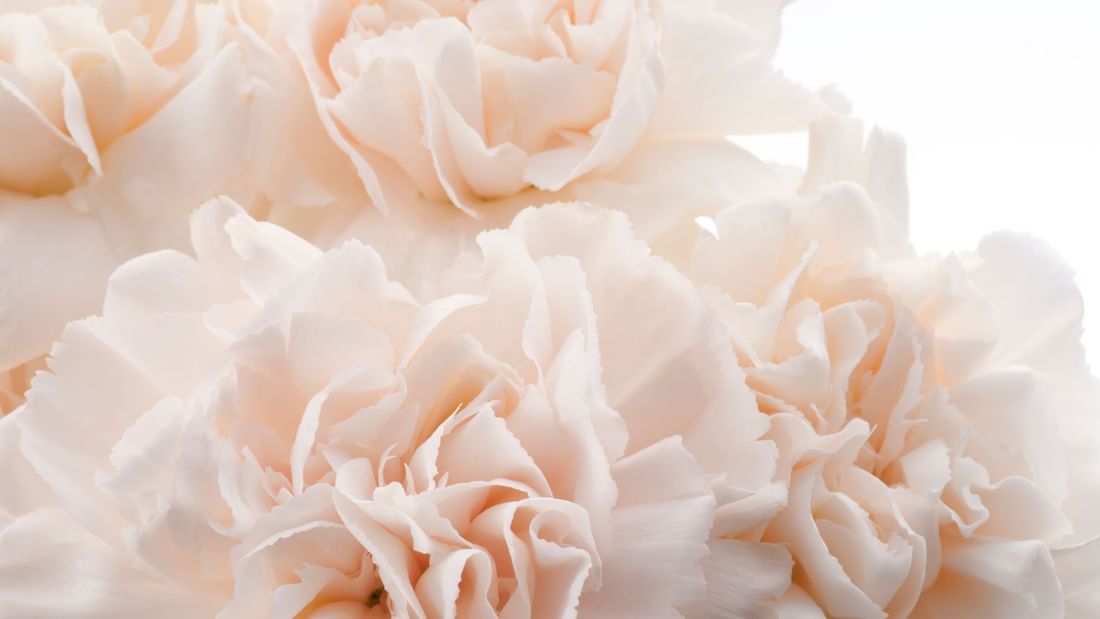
(935, 420)
(464, 103)
(269, 430)
(118, 118)
(448, 117)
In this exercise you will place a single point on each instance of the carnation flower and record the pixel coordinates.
(118, 118)
(935, 419)
(437, 381)
(464, 103)
(452, 116)
(268, 429)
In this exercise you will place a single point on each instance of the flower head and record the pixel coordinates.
(118, 118)
(469, 103)
(921, 408)
(268, 429)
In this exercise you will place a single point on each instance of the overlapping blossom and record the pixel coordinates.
(117, 118)
(358, 120)
(935, 420)
(452, 116)
(466, 103)
(272, 430)
(427, 387)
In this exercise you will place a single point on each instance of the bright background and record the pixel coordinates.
(999, 102)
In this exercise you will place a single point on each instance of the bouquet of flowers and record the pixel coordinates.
(431, 309)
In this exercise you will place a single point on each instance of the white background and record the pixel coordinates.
(999, 101)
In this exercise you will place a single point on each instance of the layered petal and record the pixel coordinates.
(274, 430)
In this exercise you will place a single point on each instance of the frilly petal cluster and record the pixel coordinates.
(934, 418)
(483, 315)
(409, 125)
(101, 109)
(471, 103)
(271, 430)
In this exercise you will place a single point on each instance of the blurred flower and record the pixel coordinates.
(118, 119)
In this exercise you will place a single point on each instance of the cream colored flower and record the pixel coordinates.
(452, 116)
(464, 103)
(933, 416)
(272, 430)
(118, 118)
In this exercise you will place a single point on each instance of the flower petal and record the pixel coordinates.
(39, 576)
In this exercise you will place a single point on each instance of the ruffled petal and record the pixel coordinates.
(661, 521)
(39, 576)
